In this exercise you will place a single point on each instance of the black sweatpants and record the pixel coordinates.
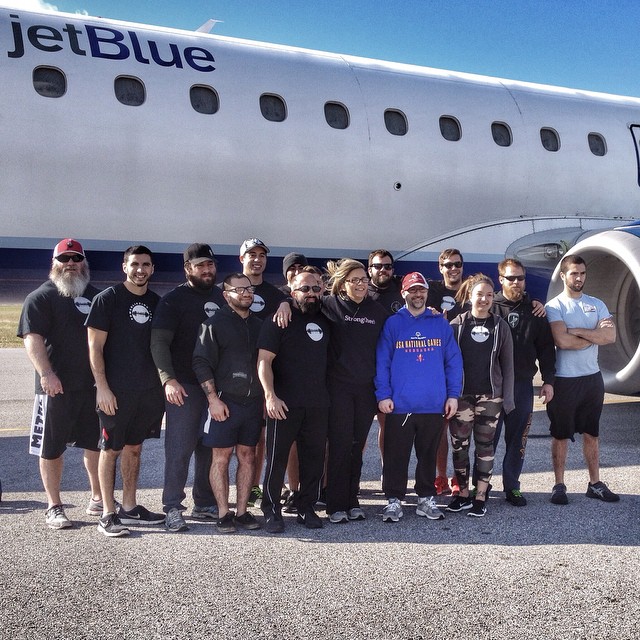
(401, 432)
(308, 428)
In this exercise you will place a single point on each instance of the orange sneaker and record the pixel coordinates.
(455, 487)
(442, 486)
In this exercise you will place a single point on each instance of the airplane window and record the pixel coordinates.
(550, 139)
(273, 107)
(450, 128)
(396, 122)
(336, 115)
(204, 99)
(597, 144)
(129, 91)
(501, 134)
(49, 82)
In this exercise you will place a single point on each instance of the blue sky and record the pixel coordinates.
(585, 44)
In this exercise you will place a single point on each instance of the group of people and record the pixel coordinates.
(290, 378)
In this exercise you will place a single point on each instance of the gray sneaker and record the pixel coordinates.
(600, 491)
(356, 513)
(174, 521)
(393, 511)
(111, 526)
(427, 508)
(94, 508)
(205, 513)
(56, 518)
(339, 517)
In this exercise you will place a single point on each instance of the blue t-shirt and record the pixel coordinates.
(584, 312)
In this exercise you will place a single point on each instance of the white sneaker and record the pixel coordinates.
(338, 517)
(393, 511)
(56, 518)
(356, 513)
(427, 508)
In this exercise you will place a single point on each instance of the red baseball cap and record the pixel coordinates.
(68, 245)
(413, 279)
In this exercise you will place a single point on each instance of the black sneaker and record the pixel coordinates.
(111, 526)
(478, 509)
(310, 519)
(559, 494)
(459, 503)
(226, 523)
(273, 523)
(140, 515)
(290, 504)
(600, 491)
(515, 498)
(247, 521)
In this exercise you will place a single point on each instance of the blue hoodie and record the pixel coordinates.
(419, 364)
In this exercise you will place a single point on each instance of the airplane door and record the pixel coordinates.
(635, 132)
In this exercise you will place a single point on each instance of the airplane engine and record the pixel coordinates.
(613, 275)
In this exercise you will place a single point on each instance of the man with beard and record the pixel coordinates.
(224, 360)
(385, 286)
(52, 326)
(174, 332)
(292, 367)
(532, 341)
(579, 324)
(128, 390)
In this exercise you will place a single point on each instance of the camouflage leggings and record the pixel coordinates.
(478, 415)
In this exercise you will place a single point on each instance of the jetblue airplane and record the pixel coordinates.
(116, 133)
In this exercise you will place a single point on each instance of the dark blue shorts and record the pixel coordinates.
(243, 426)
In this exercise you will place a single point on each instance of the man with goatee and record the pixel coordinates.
(55, 338)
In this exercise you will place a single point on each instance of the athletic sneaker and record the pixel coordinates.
(254, 496)
(247, 521)
(290, 503)
(478, 509)
(393, 511)
(56, 518)
(226, 524)
(273, 523)
(338, 517)
(322, 500)
(442, 486)
(515, 498)
(310, 519)
(559, 494)
(600, 491)
(140, 515)
(111, 526)
(174, 521)
(94, 508)
(455, 487)
(459, 503)
(427, 508)
(205, 513)
(356, 513)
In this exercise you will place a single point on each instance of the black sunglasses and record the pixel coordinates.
(305, 288)
(76, 257)
(514, 278)
(451, 265)
(387, 266)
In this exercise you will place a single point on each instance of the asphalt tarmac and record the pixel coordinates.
(540, 571)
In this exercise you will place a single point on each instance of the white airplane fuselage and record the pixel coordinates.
(86, 165)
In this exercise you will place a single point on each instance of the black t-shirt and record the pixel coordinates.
(127, 353)
(443, 299)
(266, 299)
(476, 345)
(390, 297)
(182, 311)
(300, 365)
(60, 321)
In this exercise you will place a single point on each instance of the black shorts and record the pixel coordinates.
(67, 419)
(576, 406)
(139, 416)
(243, 426)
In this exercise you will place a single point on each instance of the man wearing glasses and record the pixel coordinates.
(385, 286)
(224, 361)
(292, 366)
(175, 328)
(532, 341)
(55, 339)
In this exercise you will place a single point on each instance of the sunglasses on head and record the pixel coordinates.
(305, 288)
(514, 278)
(76, 257)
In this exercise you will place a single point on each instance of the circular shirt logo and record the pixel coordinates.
(447, 303)
(314, 331)
(210, 308)
(82, 304)
(513, 319)
(140, 313)
(396, 306)
(480, 334)
(258, 303)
